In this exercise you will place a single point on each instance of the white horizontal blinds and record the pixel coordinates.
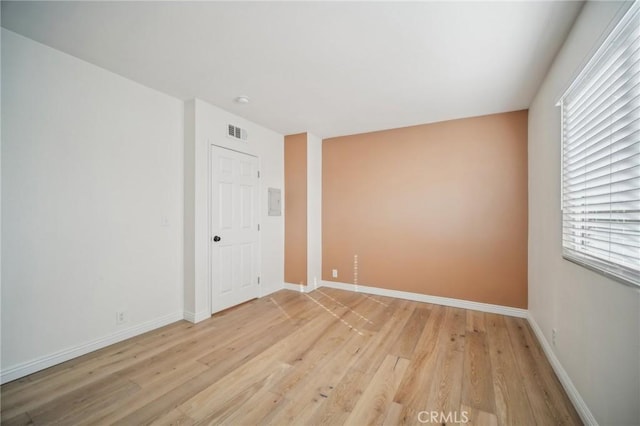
(601, 157)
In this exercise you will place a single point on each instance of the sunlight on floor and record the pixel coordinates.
(335, 315)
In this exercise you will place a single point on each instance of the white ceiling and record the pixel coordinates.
(331, 68)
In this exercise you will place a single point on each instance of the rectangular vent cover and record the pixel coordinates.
(236, 132)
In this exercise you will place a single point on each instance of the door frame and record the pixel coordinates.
(209, 214)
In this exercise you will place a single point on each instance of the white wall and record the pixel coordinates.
(209, 127)
(189, 211)
(0, 202)
(598, 320)
(314, 210)
(91, 206)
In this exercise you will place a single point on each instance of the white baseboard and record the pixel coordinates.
(298, 287)
(196, 317)
(446, 301)
(47, 361)
(575, 397)
(267, 290)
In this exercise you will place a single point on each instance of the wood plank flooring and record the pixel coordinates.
(329, 357)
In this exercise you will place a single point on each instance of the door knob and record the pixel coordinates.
(216, 238)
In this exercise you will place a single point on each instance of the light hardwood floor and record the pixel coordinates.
(329, 357)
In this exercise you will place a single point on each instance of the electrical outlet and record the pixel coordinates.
(121, 317)
(554, 335)
(334, 273)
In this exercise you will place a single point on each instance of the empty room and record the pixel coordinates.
(320, 213)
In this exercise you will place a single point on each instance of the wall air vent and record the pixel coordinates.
(236, 132)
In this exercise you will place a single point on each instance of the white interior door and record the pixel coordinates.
(234, 228)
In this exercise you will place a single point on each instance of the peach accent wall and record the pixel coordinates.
(295, 209)
(437, 209)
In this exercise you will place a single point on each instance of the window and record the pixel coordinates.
(601, 157)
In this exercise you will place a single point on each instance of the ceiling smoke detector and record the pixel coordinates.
(242, 100)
